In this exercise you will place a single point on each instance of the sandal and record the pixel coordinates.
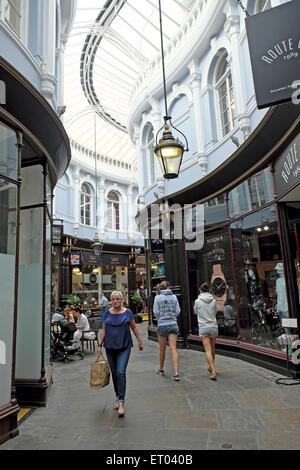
(116, 405)
(121, 411)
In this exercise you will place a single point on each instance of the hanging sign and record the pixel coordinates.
(274, 45)
(110, 259)
(57, 234)
(287, 167)
(75, 259)
(90, 259)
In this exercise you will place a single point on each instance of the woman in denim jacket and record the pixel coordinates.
(166, 309)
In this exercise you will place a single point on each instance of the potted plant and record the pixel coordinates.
(136, 300)
(73, 300)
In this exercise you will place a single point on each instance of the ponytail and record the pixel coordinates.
(162, 286)
(204, 287)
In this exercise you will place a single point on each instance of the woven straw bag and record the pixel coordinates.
(100, 372)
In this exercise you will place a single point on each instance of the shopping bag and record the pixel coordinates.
(100, 372)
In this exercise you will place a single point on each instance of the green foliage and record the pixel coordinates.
(136, 298)
(73, 300)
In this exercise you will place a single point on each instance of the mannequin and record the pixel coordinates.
(282, 304)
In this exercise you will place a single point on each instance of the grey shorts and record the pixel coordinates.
(166, 330)
(211, 331)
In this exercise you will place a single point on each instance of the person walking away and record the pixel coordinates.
(166, 309)
(116, 337)
(206, 310)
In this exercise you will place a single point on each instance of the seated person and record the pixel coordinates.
(68, 314)
(58, 315)
(81, 325)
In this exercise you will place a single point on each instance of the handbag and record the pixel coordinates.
(100, 372)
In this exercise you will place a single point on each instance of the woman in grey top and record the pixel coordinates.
(166, 309)
(206, 309)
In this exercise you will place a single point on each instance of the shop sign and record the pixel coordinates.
(90, 259)
(157, 245)
(75, 259)
(109, 259)
(57, 234)
(274, 45)
(287, 167)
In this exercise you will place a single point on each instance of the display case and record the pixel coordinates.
(157, 270)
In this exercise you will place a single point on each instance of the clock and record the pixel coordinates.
(219, 286)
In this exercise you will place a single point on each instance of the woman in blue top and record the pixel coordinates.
(116, 337)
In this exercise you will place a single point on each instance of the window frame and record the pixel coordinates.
(113, 212)
(86, 205)
(229, 96)
(23, 15)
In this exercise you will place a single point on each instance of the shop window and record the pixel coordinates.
(261, 287)
(251, 194)
(85, 204)
(13, 15)
(8, 152)
(213, 264)
(113, 211)
(215, 211)
(226, 100)
(8, 230)
(115, 278)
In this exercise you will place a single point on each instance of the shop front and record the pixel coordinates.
(83, 274)
(249, 257)
(34, 153)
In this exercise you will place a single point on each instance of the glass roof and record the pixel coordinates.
(110, 44)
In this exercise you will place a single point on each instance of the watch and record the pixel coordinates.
(219, 286)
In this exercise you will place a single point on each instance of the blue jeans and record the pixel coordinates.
(118, 360)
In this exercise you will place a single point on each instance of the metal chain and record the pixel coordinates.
(243, 8)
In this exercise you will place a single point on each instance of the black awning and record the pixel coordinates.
(262, 145)
(30, 108)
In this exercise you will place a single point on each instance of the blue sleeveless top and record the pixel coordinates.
(117, 330)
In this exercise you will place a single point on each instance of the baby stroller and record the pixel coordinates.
(62, 343)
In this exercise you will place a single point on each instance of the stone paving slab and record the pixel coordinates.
(244, 409)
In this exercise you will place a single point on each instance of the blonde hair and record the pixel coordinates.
(118, 293)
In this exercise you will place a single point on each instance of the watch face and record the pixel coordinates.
(219, 287)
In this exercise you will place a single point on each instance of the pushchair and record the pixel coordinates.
(62, 343)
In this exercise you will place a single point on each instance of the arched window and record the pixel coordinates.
(223, 84)
(85, 204)
(13, 11)
(113, 211)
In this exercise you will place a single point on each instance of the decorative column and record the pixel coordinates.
(48, 81)
(60, 54)
(195, 83)
(232, 28)
(76, 200)
(101, 206)
(129, 206)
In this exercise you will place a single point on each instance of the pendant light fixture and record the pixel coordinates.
(169, 150)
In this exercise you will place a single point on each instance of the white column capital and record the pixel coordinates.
(195, 79)
(245, 125)
(203, 162)
(160, 185)
(232, 24)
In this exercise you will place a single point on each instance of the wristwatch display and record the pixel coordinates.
(219, 286)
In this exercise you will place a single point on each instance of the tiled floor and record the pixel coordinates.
(243, 409)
